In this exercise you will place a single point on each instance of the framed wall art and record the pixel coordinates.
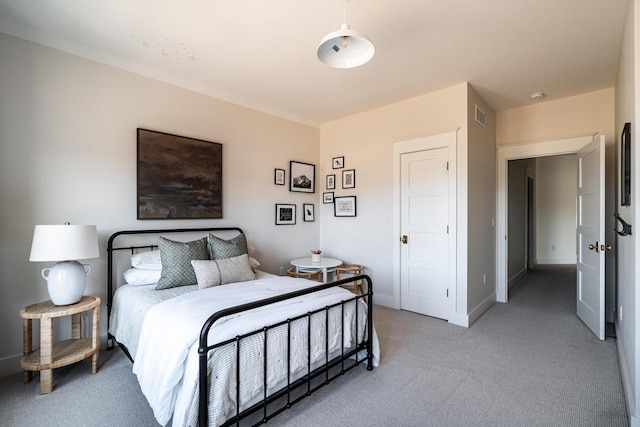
(178, 177)
(327, 197)
(302, 177)
(285, 214)
(349, 178)
(625, 165)
(279, 177)
(344, 206)
(308, 210)
(337, 162)
(331, 182)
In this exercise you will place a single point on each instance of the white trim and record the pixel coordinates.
(481, 308)
(10, 365)
(514, 152)
(517, 277)
(384, 300)
(447, 139)
(627, 383)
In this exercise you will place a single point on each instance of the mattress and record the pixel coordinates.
(161, 330)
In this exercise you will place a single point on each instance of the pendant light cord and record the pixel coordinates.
(344, 4)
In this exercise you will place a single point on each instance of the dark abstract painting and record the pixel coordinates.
(178, 177)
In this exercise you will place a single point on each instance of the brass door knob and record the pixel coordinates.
(607, 247)
(404, 239)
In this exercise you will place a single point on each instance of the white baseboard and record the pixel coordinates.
(564, 260)
(385, 301)
(460, 319)
(10, 365)
(517, 277)
(627, 384)
(481, 308)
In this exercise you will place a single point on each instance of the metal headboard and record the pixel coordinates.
(111, 248)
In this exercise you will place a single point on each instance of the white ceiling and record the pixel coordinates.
(262, 53)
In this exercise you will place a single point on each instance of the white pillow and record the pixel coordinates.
(222, 271)
(254, 262)
(149, 260)
(139, 277)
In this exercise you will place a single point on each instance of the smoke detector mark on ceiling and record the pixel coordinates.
(163, 47)
(537, 96)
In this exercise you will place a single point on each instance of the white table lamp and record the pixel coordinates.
(65, 243)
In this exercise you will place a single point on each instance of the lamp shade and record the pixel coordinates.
(345, 48)
(64, 242)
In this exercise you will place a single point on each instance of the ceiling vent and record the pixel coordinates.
(479, 116)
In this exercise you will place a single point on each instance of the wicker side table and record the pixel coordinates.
(51, 354)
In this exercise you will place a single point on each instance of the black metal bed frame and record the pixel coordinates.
(337, 363)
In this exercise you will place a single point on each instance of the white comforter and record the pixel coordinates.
(166, 361)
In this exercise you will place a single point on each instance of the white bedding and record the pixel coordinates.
(166, 359)
(131, 303)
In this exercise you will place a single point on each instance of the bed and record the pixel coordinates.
(241, 352)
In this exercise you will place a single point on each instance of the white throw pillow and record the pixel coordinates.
(149, 260)
(138, 277)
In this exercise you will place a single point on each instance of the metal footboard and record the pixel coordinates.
(337, 363)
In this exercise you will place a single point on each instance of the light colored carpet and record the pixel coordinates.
(527, 363)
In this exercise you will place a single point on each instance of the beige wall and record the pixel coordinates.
(68, 138)
(563, 118)
(481, 206)
(366, 141)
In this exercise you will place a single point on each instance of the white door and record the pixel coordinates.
(424, 258)
(590, 238)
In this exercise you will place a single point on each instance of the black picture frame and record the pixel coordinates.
(344, 206)
(308, 212)
(285, 214)
(279, 176)
(337, 162)
(302, 177)
(349, 178)
(177, 177)
(331, 182)
(625, 165)
(327, 198)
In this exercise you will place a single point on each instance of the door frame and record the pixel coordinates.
(447, 139)
(516, 152)
(531, 213)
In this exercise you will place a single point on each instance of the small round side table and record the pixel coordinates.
(52, 355)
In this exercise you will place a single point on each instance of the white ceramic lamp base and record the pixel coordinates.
(66, 281)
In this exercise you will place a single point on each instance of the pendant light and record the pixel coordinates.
(345, 48)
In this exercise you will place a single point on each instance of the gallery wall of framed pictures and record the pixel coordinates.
(343, 205)
(302, 179)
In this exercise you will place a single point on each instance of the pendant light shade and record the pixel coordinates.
(345, 48)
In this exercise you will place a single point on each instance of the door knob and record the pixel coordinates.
(404, 239)
(607, 247)
(596, 247)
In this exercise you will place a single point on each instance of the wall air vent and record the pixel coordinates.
(480, 116)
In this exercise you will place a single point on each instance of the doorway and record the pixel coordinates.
(531, 221)
(516, 152)
(434, 237)
(547, 185)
